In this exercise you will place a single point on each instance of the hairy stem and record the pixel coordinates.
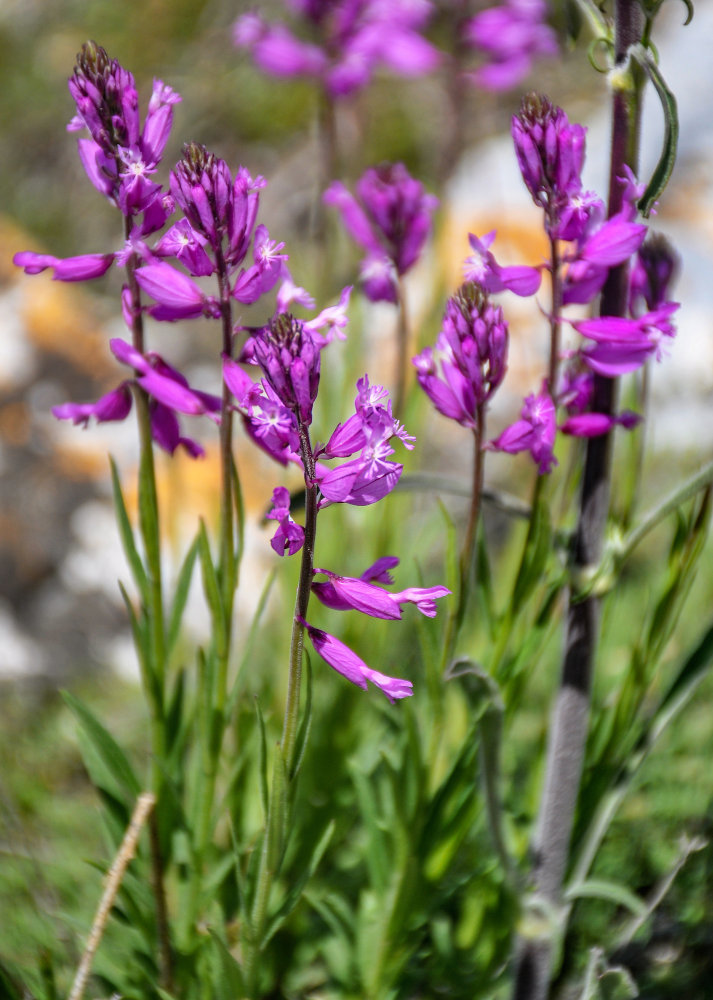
(273, 840)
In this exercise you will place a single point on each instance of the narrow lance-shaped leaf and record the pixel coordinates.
(262, 761)
(126, 534)
(108, 750)
(294, 895)
(180, 597)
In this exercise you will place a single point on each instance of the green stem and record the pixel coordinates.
(155, 683)
(402, 345)
(273, 839)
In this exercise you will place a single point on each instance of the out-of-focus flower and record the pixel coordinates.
(622, 345)
(482, 268)
(353, 37)
(653, 272)
(511, 36)
(534, 432)
(390, 219)
(469, 360)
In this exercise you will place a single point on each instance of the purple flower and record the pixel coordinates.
(371, 476)
(594, 424)
(82, 268)
(115, 405)
(511, 36)
(550, 152)
(534, 432)
(289, 536)
(622, 345)
(270, 425)
(391, 220)
(355, 36)
(168, 391)
(482, 268)
(349, 665)
(469, 360)
(290, 360)
(611, 244)
(177, 295)
(652, 273)
(214, 237)
(119, 157)
(346, 592)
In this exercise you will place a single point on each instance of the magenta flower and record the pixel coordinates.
(652, 274)
(214, 237)
(342, 659)
(550, 152)
(511, 36)
(290, 360)
(390, 219)
(82, 268)
(269, 424)
(534, 432)
(609, 245)
(594, 424)
(354, 37)
(120, 157)
(469, 360)
(345, 592)
(482, 268)
(622, 345)
(289, 536)
(370, 477)
(169, 393)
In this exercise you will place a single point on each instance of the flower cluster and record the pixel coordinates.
(119, 157)
(352, 38)
(213, 237)
(277, 413)
(550, 152)
(390, 219)
(510, 36)
(469, 360)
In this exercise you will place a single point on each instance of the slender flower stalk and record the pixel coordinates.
(569, 728)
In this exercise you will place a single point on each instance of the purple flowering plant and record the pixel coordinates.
(304, 839)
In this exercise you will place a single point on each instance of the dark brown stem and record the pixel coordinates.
(568, 731)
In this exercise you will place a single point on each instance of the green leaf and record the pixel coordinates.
(305, 723)
(664, 167)
(106, 747)
(297, 887)
(126, 534)
(604, 889)
(262, 760)
(211, 587)
(250, 642)
(227, 976)
(538, 547)
(180, 597)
